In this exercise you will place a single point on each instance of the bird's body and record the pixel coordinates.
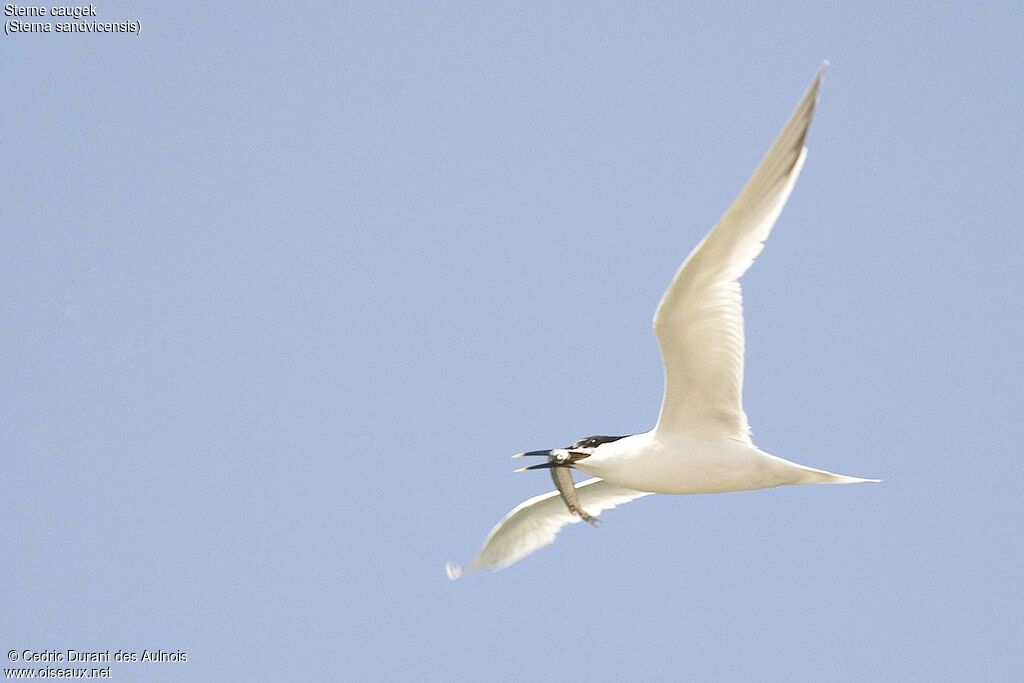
(701, 443)
(680, 463)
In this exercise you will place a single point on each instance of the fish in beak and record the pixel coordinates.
(560, 463)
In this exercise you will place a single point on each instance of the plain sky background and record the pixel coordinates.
(283, 286)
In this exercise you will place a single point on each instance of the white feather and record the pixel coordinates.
(699, 322)
(534, 523)
(701, 443)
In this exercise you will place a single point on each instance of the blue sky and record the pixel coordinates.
(282, 288)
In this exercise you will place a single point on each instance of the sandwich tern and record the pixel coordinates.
(701, 442)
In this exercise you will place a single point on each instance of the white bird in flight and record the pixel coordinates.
(701, 443)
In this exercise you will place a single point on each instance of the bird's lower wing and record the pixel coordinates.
(534, 523)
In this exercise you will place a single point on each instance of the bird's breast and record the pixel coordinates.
(682, 465)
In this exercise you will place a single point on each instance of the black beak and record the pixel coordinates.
(533, 453)
(545, 466)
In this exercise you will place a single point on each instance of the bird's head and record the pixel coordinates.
(566, 457)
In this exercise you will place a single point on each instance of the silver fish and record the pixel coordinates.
(562, 476)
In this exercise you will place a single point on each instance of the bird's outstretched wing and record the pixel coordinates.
(699, 322)
(534, 523)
